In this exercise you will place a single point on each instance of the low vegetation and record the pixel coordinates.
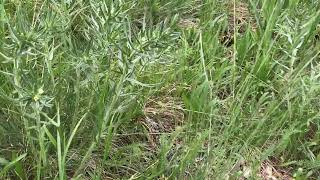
(170, 89)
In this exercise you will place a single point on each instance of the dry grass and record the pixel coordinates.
(188, 23)
(162, 115)
(270, 171)
(239, 19)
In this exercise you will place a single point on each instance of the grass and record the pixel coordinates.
(159, 89)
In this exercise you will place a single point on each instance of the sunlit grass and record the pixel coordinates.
(158, 89)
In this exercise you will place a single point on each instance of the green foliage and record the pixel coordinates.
(76, 77)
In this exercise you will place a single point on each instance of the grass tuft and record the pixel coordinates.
(159, 89)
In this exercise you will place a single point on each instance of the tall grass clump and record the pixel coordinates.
(159, 89)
